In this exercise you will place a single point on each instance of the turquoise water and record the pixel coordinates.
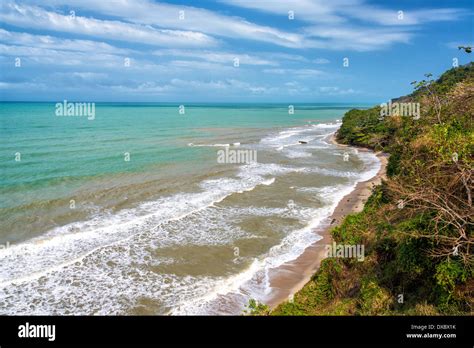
(76, 146)
(157, 233)
(56, 149)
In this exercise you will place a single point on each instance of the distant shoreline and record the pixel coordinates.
(290, 277)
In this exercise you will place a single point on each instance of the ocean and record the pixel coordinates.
(133, 212)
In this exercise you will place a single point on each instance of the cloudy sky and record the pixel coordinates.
(226, 50)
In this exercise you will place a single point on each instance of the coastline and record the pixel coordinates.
(290, 277)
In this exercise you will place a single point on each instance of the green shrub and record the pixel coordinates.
(256, 308)
(449, 273)
(408, 249)
(374, 300)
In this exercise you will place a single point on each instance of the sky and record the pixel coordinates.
(227, 50)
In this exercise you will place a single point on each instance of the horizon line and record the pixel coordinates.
(185, 102)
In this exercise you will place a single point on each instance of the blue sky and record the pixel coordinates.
(146, 50)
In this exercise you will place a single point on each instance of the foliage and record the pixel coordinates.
(256, 308)
(419, 257)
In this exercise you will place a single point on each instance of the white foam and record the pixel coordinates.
(209, 145)
(103, 265)
(254, 282)
(68, 244)
(297, 154)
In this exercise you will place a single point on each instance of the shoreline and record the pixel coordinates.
(289, 278)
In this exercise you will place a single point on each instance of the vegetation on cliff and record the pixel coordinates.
(417, 227)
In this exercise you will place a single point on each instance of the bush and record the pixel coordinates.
(374, 300)
(422, 250)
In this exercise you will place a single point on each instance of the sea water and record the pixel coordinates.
(131, 212)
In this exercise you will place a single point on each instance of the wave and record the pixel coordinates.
(68, 244)
(254, 281)
(106, 264)
(210, 145)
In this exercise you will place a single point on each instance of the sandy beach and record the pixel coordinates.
(290, 277)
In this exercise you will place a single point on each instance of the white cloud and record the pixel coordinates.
(38, 18)
(193, 56)
(181, 85)
(217, 57)
(456, 45)
(296, 88)
(405, 17)
(339, 11)
(321, 61)
(143, 88)
(286, 56)
(357, 38)
(195, 65)
(331, 22)
(153, 23)
(56, 58)
(336, 91)
(46, 41)
(52, 58)
(310, 10)
(22, 85)
(84, 75)
(196, 20)
(295, 72)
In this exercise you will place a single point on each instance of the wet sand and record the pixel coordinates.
(290, 277)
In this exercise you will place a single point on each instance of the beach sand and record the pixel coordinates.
(290, 277)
